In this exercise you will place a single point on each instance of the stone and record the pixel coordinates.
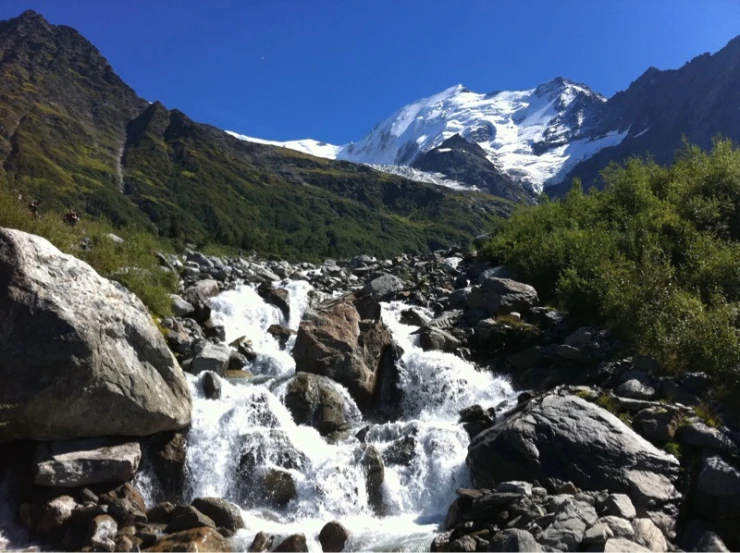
(195, 539)
(53, 515)
(542, 439)
(101, 532)
(202, 291)
(281, 334)
(609, 527)
(280, 487)
(521, 488)
(513, 539)
(401, 452)
(160, 513)
(261, 542)
(635, 389)
(699, 536)
(434, 339)
(649, 535)
(85, 462)
(463, 544)
(412, 317)
(59, 317)
(278, 297)
(243, 345)
(717, 495)
(333, 342)
(620, 505)
(315, 401)
(213, 357)
(499, 296)
(125, 504)
(211, 385)
(180, 307)
(186, 517)
(372, 465)
(657, 424)
(294, 543)
(383, 288)
(621, 545)
(168, 460)
(699, 434)
(333, 537)
(527, 358)
(224, 513)
(571, 519)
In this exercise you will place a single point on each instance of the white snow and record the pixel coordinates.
(307, 145)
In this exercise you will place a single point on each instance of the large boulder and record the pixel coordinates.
(85, 462)
(384, 288)
(314, 401)
(224, 513)
(81, 347)
(562, 438)
(332, 341)
(501, 295)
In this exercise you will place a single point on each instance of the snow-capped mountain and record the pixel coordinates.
(306, 146)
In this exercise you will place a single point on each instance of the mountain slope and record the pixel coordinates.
(75, 136)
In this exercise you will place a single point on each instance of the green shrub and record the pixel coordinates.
(655, 256)
(132, 263)
(674, 448)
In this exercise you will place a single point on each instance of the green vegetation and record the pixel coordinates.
(707, 415)
(132, 263)
(674, 448)
(655, 256)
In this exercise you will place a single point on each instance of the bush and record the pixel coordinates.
(655, 256)
(132, 263)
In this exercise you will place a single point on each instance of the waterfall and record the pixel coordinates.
(251, 422)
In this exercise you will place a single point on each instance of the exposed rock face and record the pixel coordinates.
(333, 342)
(85, 462)
(312, 400)
(564, 438)
(59, 317)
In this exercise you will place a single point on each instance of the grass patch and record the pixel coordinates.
(707, 415)
(674, 448)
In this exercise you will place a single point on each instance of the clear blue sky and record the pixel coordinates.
(332, 69)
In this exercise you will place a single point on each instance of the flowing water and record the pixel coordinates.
(250, 417)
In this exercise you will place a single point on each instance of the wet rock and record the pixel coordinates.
(85, 462)
(101, 533)
(243, 345)
(94, 332)
(169, 451)
(412, 317)
(278, 297)
(281, 334)
(384, 288)
(160, 513)
(333, 342)
(211, 385)
(401, 451)
(434, 339)
(542, 439)
(280, 487)
(513, 539)
(333, 536)
(261, 542)
(213, 357)
(224, 513)
(195, 539)
(371, 462)
(186, 517)
(296, 542)
(314, 401)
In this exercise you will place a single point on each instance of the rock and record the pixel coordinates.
(541, 440)
(620, 545)
(213, 357)
(58, 316)
(211, 385)
(52, 516)
(521, 488)
(371, 462)
(296, 542)
(333, 536)
(498, 296)
(85, 462)
(635, 389)
(383, 288)
(186, 517)
(280, 488)
(412, 317)
(168, 459)
(463, 544)
(222, 512)
(278, 297)
(657, 424)
(527, 358)
(261, 542)
(195, 539)
(609, 527)
(435, 339)
(314, 401)
(620, 505)
(717, 495)
(700, 435)
(101, 532)
(699, 536)
(160, 513)
(125, 504)
(513, 539)
(571, 519)
(649, 535)
(202, 291)
(333, 342)
(281, 334)
(213, 330)
(180, 307)
(401, 451)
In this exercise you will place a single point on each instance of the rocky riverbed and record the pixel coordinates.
(416, 403)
